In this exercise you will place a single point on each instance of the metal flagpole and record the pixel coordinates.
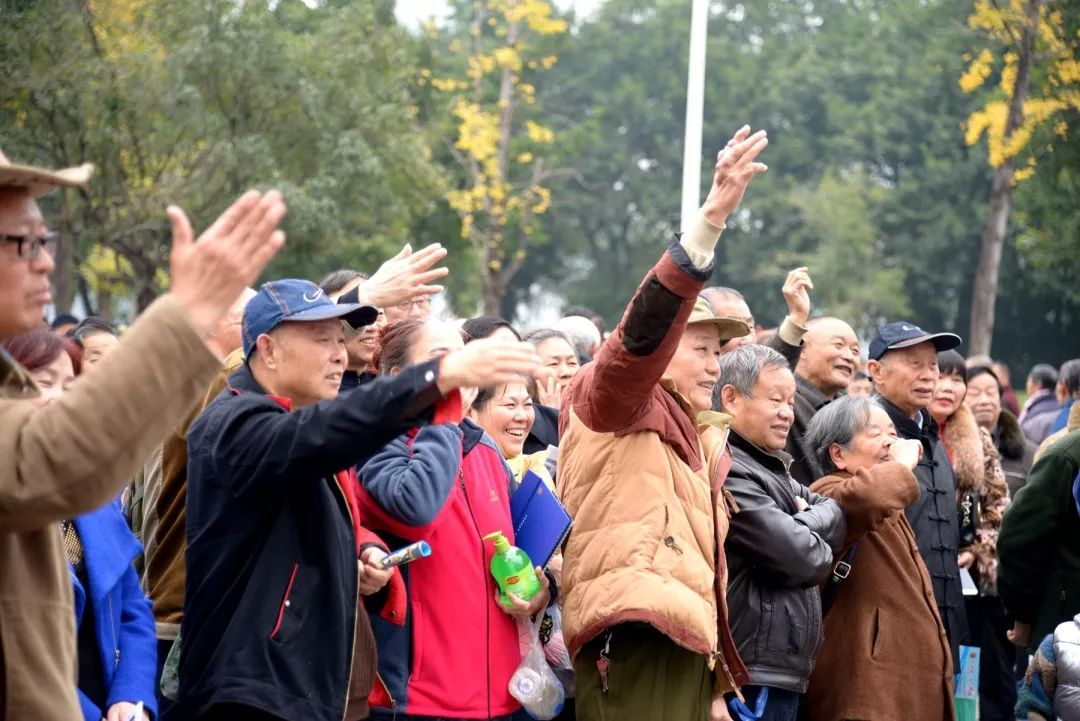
(695, 111)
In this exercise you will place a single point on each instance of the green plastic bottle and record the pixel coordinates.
(512, 569)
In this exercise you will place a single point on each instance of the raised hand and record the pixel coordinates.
(488, 362)
(735, 168)
(548, 392)
(406, 277)
(209, 274)
(796, 292)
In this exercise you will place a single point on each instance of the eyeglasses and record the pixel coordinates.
(419, 303)
(30, 246)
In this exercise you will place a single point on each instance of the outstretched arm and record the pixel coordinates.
(611, 393)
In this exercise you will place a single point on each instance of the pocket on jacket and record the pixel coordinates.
(785, 620)
(875, 633)
(286, 602)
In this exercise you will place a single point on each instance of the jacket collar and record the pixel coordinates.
(778, 461)
(668, 384)
(811, 392)
(905, 426)
(109, 548)
(243, 381)
(471, 434)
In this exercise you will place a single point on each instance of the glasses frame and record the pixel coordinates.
(35, 243)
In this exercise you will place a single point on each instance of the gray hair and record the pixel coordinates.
(538, 336)
(838, 422)
(581, 331)
(741, 367)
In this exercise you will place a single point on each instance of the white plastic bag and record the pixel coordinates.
(534, 684)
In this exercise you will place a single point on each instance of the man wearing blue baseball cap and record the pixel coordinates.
(277, 558)
(904, 366)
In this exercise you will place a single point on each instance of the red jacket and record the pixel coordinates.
(454, 656)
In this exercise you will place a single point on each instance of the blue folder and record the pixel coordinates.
(541, 524)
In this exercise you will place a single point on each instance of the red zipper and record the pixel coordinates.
(487, 587)
(285, 601)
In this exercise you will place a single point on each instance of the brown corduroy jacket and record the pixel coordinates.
(885, 648)
(65, 459)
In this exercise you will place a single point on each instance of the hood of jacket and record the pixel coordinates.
(960, 434)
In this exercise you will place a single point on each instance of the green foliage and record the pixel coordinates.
(193, 103)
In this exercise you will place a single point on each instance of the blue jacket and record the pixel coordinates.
(123, 619)
(1062, 419)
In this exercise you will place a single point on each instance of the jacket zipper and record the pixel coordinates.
(356, 604)
(386, 688)
(487, 587)
(116, 641)
(284, 601)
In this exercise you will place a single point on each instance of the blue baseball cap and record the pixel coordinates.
(296, 300)
(902, 334)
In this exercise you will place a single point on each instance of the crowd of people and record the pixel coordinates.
(767, 524)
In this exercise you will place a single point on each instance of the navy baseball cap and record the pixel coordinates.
(904, 335)
(296, 300)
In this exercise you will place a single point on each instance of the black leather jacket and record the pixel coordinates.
(777, 555)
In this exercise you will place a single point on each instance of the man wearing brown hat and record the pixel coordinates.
(73, 455)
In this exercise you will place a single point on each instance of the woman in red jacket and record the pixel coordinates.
(448, 485)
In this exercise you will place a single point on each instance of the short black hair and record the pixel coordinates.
(977, 370)
(484, 326)
(1044, 376)
(951, 363)
(63, 319)
(335, 281)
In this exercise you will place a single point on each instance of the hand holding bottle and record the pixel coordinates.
(518, 608)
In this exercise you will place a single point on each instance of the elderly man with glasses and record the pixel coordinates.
(71, 456)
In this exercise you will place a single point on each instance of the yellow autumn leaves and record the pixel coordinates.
(1055, 85)
(498, 146)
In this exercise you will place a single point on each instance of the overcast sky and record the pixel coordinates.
(413, 12)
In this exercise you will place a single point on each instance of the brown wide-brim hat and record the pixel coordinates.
(39, 181)
(729, 327)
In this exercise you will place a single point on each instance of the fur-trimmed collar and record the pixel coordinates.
(960, 434)
(1011, 438)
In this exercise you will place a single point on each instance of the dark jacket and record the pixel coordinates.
(1039, 545)
(545, 430)
(791, 352)
(271, 605)
(123, 622)
(1017, 452)
(933, 518)
(776, 557)
(808, 401)
(447, 485)
(1039, 414)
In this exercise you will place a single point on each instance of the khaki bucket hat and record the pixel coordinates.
(39, 180)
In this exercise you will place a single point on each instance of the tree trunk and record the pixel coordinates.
(494, 288)
(993, 236)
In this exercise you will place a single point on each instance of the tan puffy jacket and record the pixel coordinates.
(634, 475)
